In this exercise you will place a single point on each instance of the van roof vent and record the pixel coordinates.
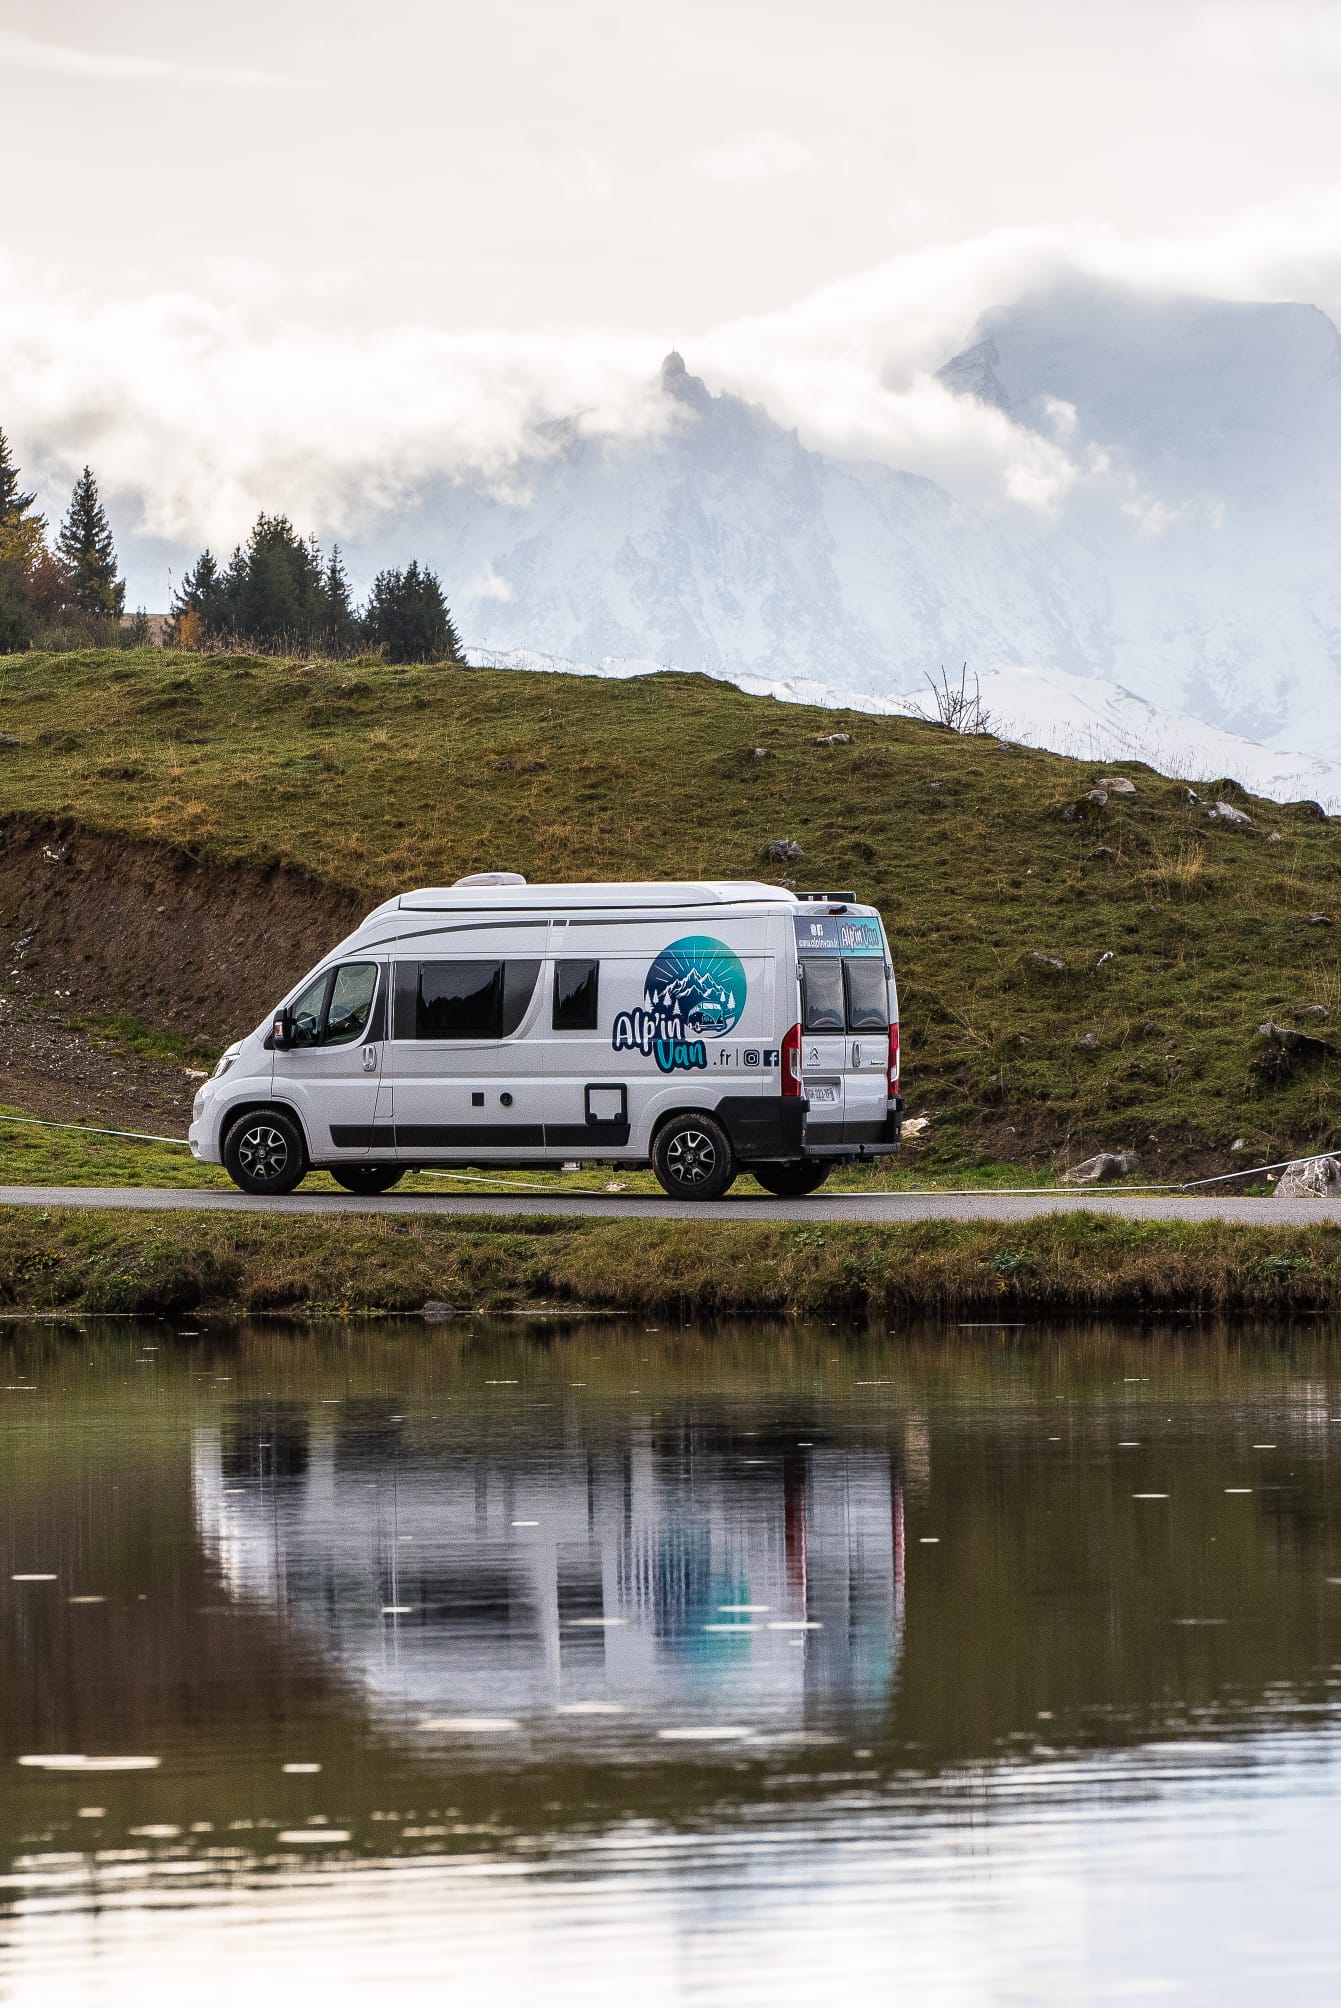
(490, 878)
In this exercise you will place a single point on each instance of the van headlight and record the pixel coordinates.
(225, 1062)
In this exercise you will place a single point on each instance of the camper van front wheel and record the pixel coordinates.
(265, 1152)
(692, 1158)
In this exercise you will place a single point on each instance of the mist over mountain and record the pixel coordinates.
(1193, 558)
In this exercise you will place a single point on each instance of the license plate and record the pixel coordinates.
(823, 1094)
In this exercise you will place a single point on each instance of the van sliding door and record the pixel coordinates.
(466, 1076)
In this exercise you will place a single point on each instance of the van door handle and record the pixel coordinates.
(370, 1059)
(856, 1055)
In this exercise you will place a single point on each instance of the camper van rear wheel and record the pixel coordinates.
(265, 1152)
(793, 1180)
(366, 1178)
(692, 1158)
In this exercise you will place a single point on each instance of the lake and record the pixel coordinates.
(601, 1662)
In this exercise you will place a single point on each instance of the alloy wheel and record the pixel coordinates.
(692, 1158)
(263, 1152)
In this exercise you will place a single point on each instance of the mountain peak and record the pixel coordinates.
(676, 382)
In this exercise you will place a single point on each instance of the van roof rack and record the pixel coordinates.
(850, 897)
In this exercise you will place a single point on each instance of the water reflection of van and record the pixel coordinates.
(700, 1027)
(676, 1569)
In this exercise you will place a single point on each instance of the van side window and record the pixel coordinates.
(822, 993)
(306, 1011)
(351, 1003)
(867, 996)
(462, 1000)
(576, 996)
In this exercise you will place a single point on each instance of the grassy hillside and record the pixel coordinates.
(1176, 935)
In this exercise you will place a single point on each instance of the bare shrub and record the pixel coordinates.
(955, 704)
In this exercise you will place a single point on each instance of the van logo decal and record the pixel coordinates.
(695, 990)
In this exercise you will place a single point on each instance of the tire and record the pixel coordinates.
(367, 1178)
(794, 1179)
(693, 1159)
(265, 1152)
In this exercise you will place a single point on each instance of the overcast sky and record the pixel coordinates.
(242, 248)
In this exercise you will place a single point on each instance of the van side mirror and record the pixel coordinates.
(281, 1031)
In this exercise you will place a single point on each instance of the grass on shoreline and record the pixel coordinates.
(32, 1153)
(1062, 1264)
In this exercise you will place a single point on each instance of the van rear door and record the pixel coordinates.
(845, 1004)
(866, 1080)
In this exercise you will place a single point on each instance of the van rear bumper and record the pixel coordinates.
(773, 1128)
(856, 1140)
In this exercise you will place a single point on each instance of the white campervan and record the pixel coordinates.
(702, 1028)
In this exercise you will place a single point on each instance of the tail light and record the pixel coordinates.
(791, 1062)
(893, 1059)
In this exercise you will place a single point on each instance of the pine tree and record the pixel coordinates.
(85, 543)
(341, 622)
(196, 615)
(274, 588)
(13, 504)
(407, 617)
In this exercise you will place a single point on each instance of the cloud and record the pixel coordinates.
(1246, 34)
(198, 407)
(753, 158)
(24, 52)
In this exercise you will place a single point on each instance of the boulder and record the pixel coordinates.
(1225, 812)
(1284, 1048)
(1053, 965)
(1116, 784)
(1310, 1178)
(1105, 1164)
(785, 851)
(1319, 920)
(1099, 797)
(833, 738)
(1275, 838)
(1088, 1042)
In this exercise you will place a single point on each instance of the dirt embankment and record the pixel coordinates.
(92, 925)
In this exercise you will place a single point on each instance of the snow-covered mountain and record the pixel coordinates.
(1194, 559)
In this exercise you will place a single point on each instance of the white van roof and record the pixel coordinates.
(561, 898)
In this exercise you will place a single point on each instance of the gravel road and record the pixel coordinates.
(885, 1208)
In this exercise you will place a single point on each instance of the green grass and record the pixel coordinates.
(1051, 1267)
(376, 778)
(36, 1153)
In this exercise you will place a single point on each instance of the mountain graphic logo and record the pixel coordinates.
(697, 985)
